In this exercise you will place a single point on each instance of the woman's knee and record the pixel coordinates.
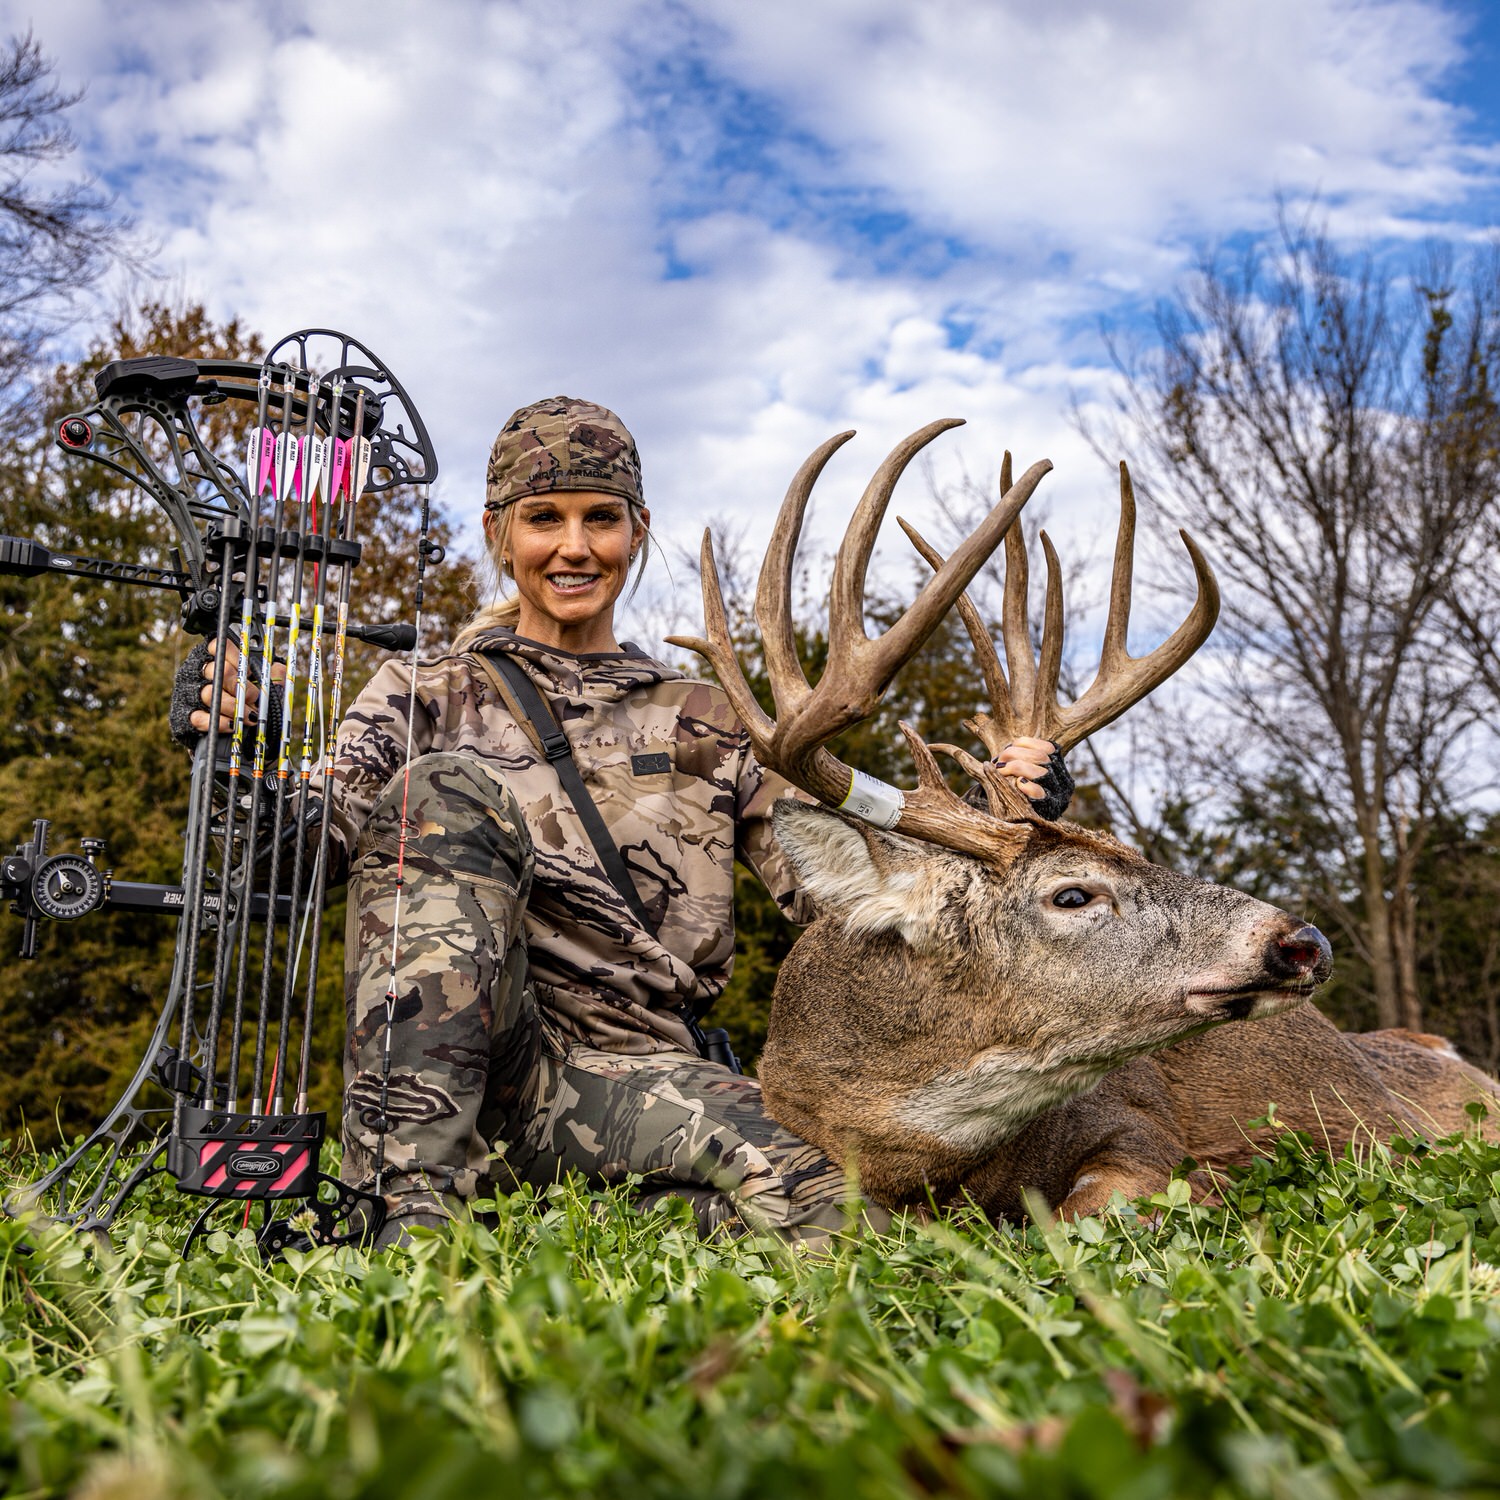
(460, 814)
(458, 888)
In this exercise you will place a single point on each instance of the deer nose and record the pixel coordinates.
(1303, 954)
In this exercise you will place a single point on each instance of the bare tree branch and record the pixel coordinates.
(59, 233)
(1325, 426)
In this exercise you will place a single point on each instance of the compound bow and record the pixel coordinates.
(264, 559)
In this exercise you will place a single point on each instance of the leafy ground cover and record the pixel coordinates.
(1329, 1331)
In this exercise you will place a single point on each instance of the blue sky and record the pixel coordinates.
(1474, 84)
(748, 226)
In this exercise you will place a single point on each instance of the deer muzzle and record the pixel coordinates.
(1293, 962)
(1303, 955)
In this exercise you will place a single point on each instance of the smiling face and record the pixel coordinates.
(569, 552)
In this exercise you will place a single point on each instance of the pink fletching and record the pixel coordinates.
(340, 466)
(267, 460)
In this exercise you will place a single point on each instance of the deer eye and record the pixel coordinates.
(1072, 895)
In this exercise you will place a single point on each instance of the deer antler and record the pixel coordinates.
(859, 670)
(1028, 705)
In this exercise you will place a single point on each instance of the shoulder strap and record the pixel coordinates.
(537, 718)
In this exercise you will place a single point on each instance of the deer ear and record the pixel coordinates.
(877, 881)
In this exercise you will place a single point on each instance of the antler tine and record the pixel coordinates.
(1001, 719)
(773, 594)
(902, 641)
(1044, 710)
(719, 647)
(846, 596)
(924, 758)
(938, 814)
(1122, 679)
(1113, 653)
(985, 654)
(1015, 628)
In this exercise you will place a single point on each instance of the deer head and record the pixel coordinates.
(973, 966)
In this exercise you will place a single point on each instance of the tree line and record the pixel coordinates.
(1321, 420)
(1325, 422)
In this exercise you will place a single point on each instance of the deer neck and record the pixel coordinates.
(979, 1104)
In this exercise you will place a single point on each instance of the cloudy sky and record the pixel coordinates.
(748, 225)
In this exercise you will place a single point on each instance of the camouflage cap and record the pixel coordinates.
(562, 443)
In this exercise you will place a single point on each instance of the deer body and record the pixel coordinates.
(988, 1002)
(1197, 1100)
(949, 1031)
(942, 1003)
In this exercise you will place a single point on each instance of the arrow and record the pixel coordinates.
(332, 461)
(361, 468)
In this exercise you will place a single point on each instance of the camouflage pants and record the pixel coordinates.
(481, 1094)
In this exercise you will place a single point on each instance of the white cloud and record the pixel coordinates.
(1098, 129)
(492, 196)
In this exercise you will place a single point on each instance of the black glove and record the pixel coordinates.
(187, 690)
(1056, 781)
(187, 699)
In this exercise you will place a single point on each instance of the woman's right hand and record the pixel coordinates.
(194, 686)
(199, 717)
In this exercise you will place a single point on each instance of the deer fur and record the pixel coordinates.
(1196, 1100)
(945, 1028)
(955, 1020)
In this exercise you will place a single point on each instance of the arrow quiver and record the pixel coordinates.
(266, 543)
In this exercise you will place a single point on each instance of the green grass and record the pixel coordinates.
(1331, 1330)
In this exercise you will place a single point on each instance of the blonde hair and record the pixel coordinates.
(504, 610)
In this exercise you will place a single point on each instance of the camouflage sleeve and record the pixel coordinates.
(371, 749)
(755, 839)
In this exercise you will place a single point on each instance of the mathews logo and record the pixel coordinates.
(256, 1166)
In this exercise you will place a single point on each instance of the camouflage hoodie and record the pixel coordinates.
(671, 771)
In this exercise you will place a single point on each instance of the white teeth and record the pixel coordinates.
(571, 580)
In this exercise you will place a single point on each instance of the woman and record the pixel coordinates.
(535, 1015)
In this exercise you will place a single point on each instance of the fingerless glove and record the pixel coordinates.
(187, 699)
(1056, 781)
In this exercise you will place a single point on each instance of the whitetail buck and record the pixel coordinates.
(989, 1002)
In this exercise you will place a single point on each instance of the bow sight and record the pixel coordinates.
(263, 557)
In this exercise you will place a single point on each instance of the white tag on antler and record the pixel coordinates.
(873, 801)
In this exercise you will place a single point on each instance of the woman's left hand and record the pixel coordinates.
(1025, 760)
